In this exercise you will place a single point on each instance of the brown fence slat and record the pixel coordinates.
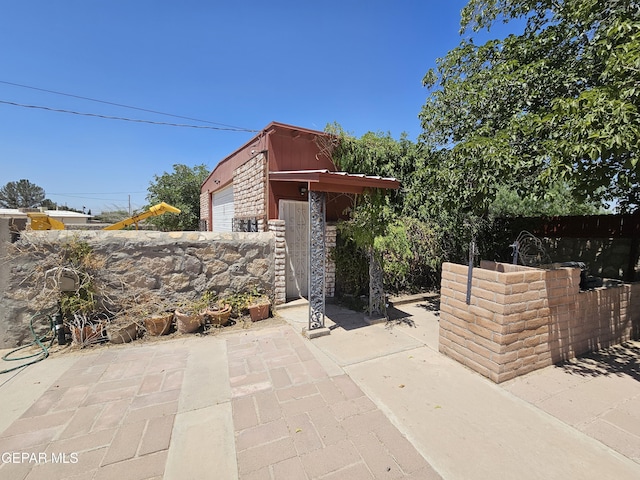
(590, 226)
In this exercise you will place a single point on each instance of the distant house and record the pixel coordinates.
(265, 184)
(65, 216)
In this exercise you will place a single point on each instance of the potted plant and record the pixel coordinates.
(239, 303)
(122, 330)
(259, 306)
(85, 330)
(157, 316)
(187, 320)
(191, 315)
(218, 314)
(159, 323)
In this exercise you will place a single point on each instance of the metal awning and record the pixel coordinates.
(337, 182)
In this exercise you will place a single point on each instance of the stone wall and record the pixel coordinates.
(249, 191)
(520, 319)
(177, 266)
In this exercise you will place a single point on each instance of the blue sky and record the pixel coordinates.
(244, 64)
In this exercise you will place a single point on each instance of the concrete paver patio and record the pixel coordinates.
(598, 394)
(367, 401)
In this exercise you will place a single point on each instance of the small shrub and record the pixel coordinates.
(352, 268)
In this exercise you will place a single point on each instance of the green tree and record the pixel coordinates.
(382, 155)
(384, 225)
(181, 189)
(112, 216)
(558, 201)
(48, 204)
(557, 103)
(21, 194)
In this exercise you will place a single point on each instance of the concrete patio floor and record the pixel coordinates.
(366, 401)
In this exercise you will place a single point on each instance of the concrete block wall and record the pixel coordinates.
(249, 190)
(588, 321)
(520, 319)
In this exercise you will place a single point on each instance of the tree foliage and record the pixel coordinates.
(21, 194)
(557, 103)
(112, 216)
(181, 189)
(374, 154)
(557, 201)
(385, 224)
(413, 230)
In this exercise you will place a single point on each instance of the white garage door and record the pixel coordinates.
(222, 210)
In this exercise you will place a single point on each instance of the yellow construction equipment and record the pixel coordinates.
(41, 221)
(152, 212)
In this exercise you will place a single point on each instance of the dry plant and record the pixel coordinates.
(46, 268)
(134, 305)
(64, 275)
(326, 145)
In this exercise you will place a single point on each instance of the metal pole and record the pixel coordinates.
(515, 246)
(472, 253)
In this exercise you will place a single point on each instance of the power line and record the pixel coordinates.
(122, 105)
(109, 117)
(96, 193)
(82, 197)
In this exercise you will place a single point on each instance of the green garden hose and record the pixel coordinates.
(44, 350)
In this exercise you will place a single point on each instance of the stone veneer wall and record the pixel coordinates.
(521, 319)
(176, 265)
(249, 190)
(205, 198)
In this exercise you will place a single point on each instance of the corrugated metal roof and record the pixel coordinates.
(330, 172)
(338, 182)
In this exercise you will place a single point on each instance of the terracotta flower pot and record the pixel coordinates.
(220, 316)
(188, 323)
(87, 334)
(122, 334)
(158, 325)
(259, 312)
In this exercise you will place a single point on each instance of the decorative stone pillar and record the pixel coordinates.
(317, 259)
(205, 199)
(279, 283)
